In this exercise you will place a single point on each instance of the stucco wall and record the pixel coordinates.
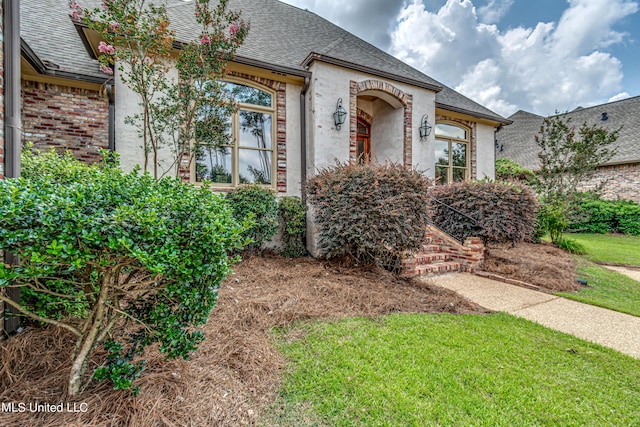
(485, 152)
(65, 118)
(128, 141)
(387, 133)
(328, 84)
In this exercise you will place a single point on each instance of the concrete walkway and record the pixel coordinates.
(605, 327)
(634, 273)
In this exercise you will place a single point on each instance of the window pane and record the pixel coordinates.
(248, 94)
(363, 129)
(442, 152)
(450, 131)
(255, 166)
(255, 129)
(214, 164)
(459, 154)
(459, 174)
(441, 175)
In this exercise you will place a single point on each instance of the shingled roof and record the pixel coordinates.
(282, 37)
(516, 141)
(51, 43)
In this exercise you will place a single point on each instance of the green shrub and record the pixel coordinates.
(503, 212)
(371, 213)
(628, 217)
(571, 246)
(105, 250)
(594, 216)
(257, 204)
(551, 219)
(293, 226)
(508, 170)
(605, 216)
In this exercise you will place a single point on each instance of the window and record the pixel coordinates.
(247, 156)
(452, 153)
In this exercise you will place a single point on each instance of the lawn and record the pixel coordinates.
(421, 370)
(609, 248)
(607, 289)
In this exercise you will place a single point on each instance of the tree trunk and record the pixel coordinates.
(89, 340)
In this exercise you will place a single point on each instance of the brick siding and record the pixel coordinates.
(407, 101)
(620, 182)
(65, 118)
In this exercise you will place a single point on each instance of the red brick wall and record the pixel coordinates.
(66, 118)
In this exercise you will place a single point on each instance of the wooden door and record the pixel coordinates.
(364, 142)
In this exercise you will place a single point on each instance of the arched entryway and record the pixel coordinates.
(380, 125)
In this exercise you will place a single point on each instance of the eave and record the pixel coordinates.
(313, 56)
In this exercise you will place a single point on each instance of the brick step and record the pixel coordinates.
(430, 248)
(432, 257)
(437, 268)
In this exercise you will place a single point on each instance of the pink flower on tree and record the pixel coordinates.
(106, 48)
(233, 29)
(75, 10)
(106, 70)
(205, 39)
(115, 26)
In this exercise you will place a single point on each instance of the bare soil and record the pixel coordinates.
(541, 264)
(235, 373)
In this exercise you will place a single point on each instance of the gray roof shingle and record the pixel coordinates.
(47, 29)
(518, 143)
(281, 35)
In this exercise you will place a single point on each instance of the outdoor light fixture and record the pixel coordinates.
(425, 128)
(339, 115)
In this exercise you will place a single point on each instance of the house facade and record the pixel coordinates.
(619, 177)
(292, 73)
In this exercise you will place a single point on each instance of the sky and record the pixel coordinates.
(541, 56)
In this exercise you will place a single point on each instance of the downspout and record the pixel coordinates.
(112, 119)
(303, 139)
(12, 126)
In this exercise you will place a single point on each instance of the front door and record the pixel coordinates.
(364, 142)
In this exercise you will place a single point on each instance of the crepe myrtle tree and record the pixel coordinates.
(569, 156)
(183, 114)
(118, 260)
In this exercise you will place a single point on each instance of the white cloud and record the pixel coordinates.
(619, 97)
(492, 12)
(542, 69)
(370, 20)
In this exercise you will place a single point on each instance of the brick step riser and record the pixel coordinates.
(431, 258)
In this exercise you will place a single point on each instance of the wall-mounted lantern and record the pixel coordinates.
(339, 115)
(425, 128)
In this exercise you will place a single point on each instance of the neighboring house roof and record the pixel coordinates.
(51, 43)
(516, 141)
(282, 37)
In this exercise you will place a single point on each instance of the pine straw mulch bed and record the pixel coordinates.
(235, 373)
(540, 264)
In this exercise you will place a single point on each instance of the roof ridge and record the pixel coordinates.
(577, 109)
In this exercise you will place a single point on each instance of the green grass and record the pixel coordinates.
(448, 370)
(608, 248)
(607, 289)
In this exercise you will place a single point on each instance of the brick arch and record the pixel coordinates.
(392, 95)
